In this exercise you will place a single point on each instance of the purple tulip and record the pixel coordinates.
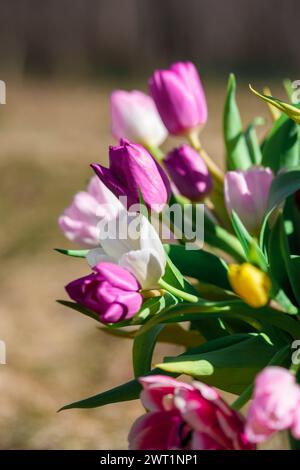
(179, 97)
(111, 291)
(131, 169)
(246, 193)
(189, 172)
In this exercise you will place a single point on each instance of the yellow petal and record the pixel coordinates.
(250, 283)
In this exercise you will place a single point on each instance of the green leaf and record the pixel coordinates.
(172, 275)
(238, 156)
(199, 264)
(281, 357)
(142, 352)
(125, 392)
(281, 147)
(252, 141)
(292, 111)
(74, 253)
(231, 369)
(236, 309)
(292, 264)
(170, 334)
(281, 287)
(283, 186)
(154, 306)
(250, 246)
(218, 237)
(79, 308)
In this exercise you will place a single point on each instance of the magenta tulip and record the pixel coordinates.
(183, 416)
(246, 193)
(179, 97)
(132, 168)
(111, 291)
(275, 405)
(188, 172)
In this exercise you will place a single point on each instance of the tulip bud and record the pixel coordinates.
(135, 117)
(246, 193)
(179, 97)
(250, 283)
(79, 221)
(188, 172)
(111, 291)
(133, 169)
(275, 405)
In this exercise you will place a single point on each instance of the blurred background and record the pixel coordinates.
(60, 61)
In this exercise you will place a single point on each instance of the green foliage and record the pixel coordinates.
(74, 253)
(238, 155)
(231, 368)
(200, 264)
(250, 246)
(281, 147)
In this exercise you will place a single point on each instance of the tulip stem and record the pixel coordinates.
(217, 194)
(215, 171)
(243, 398)
(156, 152)
(177, 292)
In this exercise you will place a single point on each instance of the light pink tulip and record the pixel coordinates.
(185, 416)
(79, 221)
(246, 193)
(274, 406)
(135, 117)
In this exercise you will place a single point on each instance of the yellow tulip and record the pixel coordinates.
(250, 283)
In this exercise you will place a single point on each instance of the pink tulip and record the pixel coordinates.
(246, 193)
(135, 117)
(110, 291)
(188, 172)
(179, 97)
(183, 416)
(79, 221)
(275, 405)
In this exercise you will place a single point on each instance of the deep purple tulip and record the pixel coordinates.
(179, 97)
(132, 168)
(189, 172)
(111, 291)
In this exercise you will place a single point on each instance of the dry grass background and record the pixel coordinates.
(49, 133)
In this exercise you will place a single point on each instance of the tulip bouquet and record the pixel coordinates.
(230, 299)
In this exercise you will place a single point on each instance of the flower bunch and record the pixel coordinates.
(233, 295)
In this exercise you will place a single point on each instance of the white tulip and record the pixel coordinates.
(135, 117)
(133, 243)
